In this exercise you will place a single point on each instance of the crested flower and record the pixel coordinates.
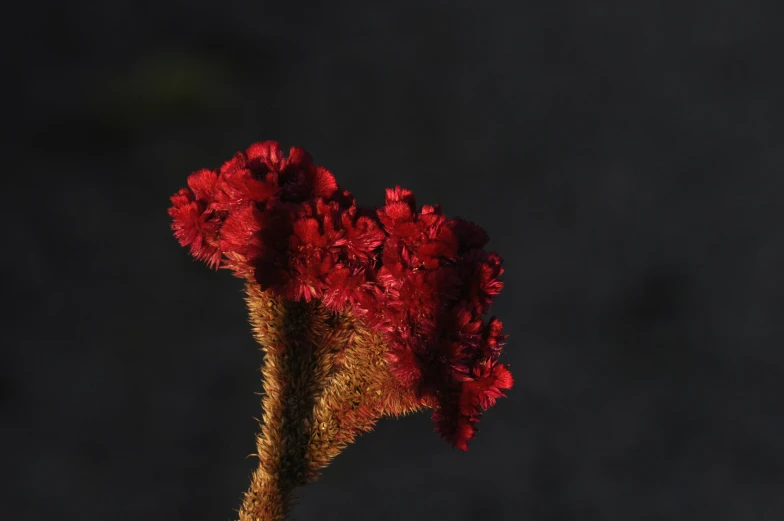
(194, 224)
(280, 221)
(440, 283)
(390, 300)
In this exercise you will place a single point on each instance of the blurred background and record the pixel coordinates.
(625, 157)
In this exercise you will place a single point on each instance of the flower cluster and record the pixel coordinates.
(423, 280)
(281, 221)
(438, 283)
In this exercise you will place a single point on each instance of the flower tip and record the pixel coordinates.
(299, 156)
(202, 184)
(265, 150)
(504, 379)
(399, 194)
(323, 182)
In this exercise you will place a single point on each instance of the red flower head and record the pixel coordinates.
(280, 221)
(440, 283)
(422, 280)
(194, 224)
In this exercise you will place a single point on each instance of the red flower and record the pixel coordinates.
(194, 223)
(439, 283)
(422, 280)
(459, 411)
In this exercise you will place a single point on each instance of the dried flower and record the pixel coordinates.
(361, 312)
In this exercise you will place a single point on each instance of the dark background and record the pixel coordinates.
(626, 159)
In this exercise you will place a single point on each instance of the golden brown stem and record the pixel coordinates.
(360, 390)
(292, 371)
(325, 381)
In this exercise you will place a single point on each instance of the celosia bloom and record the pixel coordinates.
(418, 282)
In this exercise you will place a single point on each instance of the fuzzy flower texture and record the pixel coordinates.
(419, 281)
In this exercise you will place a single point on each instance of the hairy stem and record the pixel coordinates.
(360, 390)
(325, 381)
(294, 368)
